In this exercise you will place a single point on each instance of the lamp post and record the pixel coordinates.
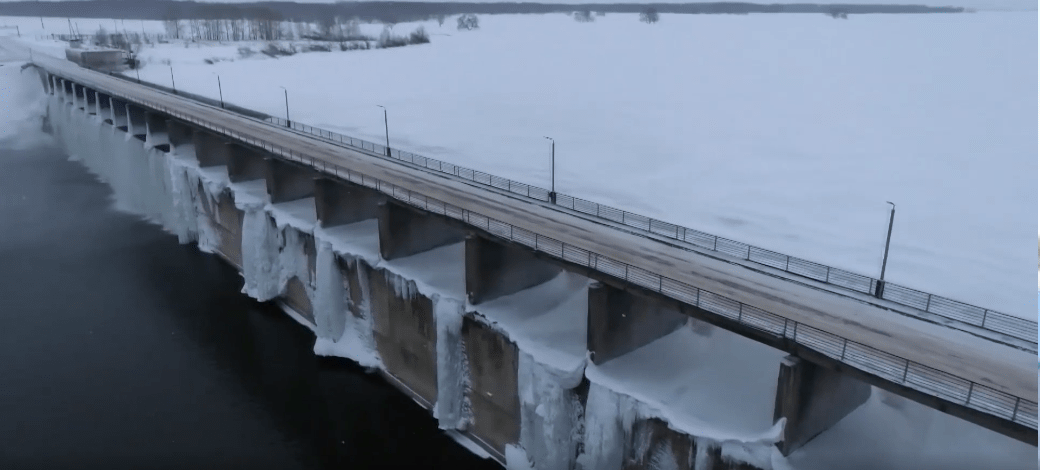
(172, 81)
(386, 125)
(221, 91)
(552, 180)
(288, 123)
(880, 291)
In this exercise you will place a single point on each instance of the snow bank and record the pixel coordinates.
(675, 376)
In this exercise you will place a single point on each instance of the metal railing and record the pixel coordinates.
(870, 360)
(990, 320)
(986, 319)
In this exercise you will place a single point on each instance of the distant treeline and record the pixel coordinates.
(405, 11)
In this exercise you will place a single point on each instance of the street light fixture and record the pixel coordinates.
(386, 124)
(288, 123)
(880, 291)
(552, 190)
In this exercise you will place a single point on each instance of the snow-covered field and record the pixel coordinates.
(788, 132)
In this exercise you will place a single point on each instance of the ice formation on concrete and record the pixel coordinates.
(452, 409)
(550, 413)
(517, 458)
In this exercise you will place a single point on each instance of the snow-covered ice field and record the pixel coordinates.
(788, 132)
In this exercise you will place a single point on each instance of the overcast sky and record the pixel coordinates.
(979, 4)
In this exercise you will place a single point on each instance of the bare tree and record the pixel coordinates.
(649, 16)
(468, 22)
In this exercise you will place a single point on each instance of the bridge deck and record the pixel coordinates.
(959, 353)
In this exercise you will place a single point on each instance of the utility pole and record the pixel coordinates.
(880, 291)
(174, 83)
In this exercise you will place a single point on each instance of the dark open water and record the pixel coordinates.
(120, 348)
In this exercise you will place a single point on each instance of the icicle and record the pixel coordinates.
(604, 434)
(330, 306)
(451, 409)
(260, 262)
(547, 415)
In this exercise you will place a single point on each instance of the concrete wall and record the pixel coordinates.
(297, 299)
(404, 231)
(341, 202)
(813, 399)
(227, 219)
(495, 269)
(493, 365)
(621, 322)
(405, 333)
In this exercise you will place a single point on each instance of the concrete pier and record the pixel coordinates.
(245, 164)
(155, 124)
(104, 105)
(209, 148)
(91, 101)
(80, 94)
(342, 202)
(621, 322)
(178, 133)
(119, 118)
(138, 126)
(404, 231)
(288, 181)
(813, 399)
(493, 364)
(495, 269)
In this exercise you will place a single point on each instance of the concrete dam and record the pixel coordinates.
(533, 359)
